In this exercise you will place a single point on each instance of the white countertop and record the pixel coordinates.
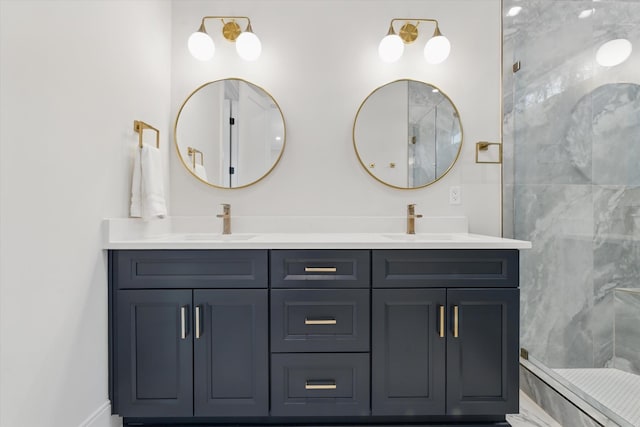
(299, 233)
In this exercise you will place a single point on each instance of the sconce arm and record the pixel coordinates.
(225, 17)
(414, 19)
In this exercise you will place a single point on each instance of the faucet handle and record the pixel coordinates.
(226, 210)
(411, 210)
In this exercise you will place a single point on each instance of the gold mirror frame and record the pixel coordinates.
(184, 162)
(368, 167)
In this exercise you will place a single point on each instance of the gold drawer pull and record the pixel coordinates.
(320, 322)
(183, 322)
(197, 322)
(441, 328)
(308, 386)
(456, 325)
(320, 269)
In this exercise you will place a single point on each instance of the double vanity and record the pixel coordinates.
(336, 321)
(312, 328)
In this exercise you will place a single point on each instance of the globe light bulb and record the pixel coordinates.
(390, 48)
(248, 46)
(201, 46)
(614, 52)
(437, 49)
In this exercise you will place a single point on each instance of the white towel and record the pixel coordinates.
(147, 185)
(201, 172)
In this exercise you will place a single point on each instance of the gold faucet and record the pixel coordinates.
(226, 218)
(411, 218)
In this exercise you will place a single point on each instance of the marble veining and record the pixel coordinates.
(556, 288)
(572, 178)
(627, 331)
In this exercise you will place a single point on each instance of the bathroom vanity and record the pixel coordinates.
(261, 331)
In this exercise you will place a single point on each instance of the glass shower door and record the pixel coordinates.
(572, 186)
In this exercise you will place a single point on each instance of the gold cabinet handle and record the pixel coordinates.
(441, 328)
(455, 322)
(320, 321)
(330, 386)
(197, 322)
(320, 269)
(183, 322)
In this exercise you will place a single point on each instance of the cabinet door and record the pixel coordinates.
(408, 352)
(154, 353)
(482, 357)
(231, 361)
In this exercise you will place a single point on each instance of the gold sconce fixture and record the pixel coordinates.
(248, 45)
(391, 47)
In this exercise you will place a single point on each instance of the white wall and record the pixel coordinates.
(73, 77)
(75, 74)
(319, 61)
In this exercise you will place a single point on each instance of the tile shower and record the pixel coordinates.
(572, 187)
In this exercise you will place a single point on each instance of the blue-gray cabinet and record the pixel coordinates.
(408, 354)
(430, 303)
(273, 337)
(154, 353)
(413, 330)
(231, 359)
(184, 352)
(482, 351)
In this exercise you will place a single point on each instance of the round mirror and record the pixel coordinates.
(229, 133)
(407, 134)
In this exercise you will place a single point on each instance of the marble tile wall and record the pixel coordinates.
(571, 134)
(627, 330)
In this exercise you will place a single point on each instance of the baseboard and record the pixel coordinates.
(101, 417)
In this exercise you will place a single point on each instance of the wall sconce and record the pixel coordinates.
(391, 47)
(248, 45)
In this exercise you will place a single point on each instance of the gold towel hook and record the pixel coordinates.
(140, 126)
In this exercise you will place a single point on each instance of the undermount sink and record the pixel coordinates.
(217, 237)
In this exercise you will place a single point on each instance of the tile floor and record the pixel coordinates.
(531, 415)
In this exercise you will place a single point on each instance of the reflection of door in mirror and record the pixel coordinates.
(237, 126)
(249, 116)
(229, 145)
(254, 155)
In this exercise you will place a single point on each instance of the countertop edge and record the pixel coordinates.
(146, 245)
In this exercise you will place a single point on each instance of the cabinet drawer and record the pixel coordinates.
(319, 320)
(325, 384)
(190, 269)
(445, 268)
(320, 268)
